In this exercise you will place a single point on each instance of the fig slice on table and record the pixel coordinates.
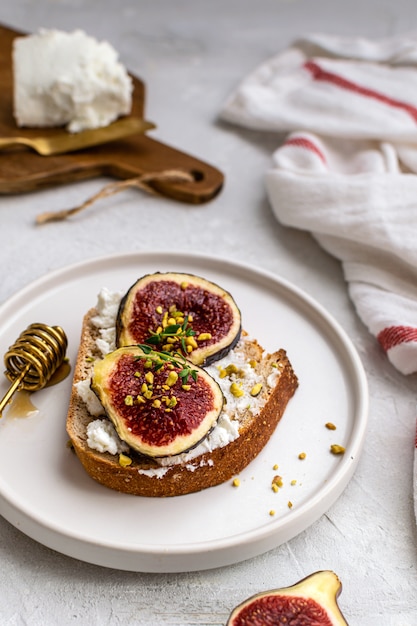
(311, 601)
(160, 404)
(179, 312)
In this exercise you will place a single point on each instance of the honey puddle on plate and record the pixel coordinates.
(22, 405)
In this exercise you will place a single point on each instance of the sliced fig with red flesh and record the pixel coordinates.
(311, 601)
(182, 313)
(160, 406)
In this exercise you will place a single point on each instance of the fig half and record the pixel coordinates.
(160, 405)
(180, 313)
(312, 600)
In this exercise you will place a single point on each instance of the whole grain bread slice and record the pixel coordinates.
(146, 477)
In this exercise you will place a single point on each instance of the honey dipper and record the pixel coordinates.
(32, 360)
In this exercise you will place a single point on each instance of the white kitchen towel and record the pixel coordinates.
(415, 475)
(347, 170)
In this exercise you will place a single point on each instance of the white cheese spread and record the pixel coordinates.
(68, 79)
(87, 395)
(102, 436)
(105, 320)
(226, 429)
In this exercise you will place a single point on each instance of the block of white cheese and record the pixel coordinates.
(68, 79)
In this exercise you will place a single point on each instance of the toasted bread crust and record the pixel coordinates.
(209, 469)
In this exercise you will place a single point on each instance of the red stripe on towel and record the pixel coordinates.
(319, 74)
(303, 142)
(394, 335)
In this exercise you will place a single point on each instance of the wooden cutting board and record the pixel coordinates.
(24, 170)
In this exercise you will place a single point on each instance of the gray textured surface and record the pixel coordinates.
(191, 54)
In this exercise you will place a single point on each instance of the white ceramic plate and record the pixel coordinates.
(46, 494)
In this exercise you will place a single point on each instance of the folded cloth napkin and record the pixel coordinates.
(415, 475)
(347, 171)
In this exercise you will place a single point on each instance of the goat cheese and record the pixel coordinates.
(102, 436)
(68, 79)
(87, 395)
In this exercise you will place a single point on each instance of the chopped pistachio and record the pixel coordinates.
(129, 400)
(336, 449)
(190, 341)
(204, 337)
(256, 389)
(330, 426)
(124, 460)
(277, 480)
(236, 391)
(172, 378)
(146, 391)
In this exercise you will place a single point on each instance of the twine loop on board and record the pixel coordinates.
(144, 182)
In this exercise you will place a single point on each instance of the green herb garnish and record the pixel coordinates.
(176, 358)
(177, 331)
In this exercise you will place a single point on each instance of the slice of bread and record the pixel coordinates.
(252, 418)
